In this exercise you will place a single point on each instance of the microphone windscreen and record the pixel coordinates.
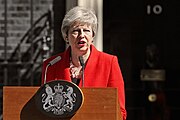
(52, 62)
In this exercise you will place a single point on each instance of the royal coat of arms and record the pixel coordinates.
(59, 101)
(59, 98)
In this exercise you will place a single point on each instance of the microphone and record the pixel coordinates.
(81, 60)
(83, 66)
(52, 62)
(55, 60)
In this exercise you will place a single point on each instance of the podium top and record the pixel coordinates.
(99, 103)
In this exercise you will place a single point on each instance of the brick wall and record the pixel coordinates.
(20, 15)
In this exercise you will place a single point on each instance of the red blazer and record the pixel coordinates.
(101, 70)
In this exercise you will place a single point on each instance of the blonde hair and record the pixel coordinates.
(81, 15)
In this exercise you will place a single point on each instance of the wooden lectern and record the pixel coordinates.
(99, 104)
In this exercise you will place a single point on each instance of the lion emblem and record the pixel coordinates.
(58, 100)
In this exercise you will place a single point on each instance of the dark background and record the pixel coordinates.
(127, 31)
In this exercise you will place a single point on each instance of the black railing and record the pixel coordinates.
(24, 67)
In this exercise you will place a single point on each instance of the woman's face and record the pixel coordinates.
(80, 37)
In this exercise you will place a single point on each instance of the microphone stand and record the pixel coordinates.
(83, 75)
(52, 62)
(83, 66)
(46, 73)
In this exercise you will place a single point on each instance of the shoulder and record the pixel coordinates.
(103, 56)
(63, 56)
(108, 57)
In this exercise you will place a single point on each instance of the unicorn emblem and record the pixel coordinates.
(70, 98)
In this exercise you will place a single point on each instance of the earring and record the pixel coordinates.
(66, 39)
(67, 42)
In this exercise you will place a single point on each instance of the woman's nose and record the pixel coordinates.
(81, 33)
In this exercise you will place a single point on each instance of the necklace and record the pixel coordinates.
(75, 71)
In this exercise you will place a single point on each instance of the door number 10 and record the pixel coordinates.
(156, 9)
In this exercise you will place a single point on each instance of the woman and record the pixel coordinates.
(78, 29)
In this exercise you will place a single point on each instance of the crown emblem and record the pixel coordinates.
(58, 88)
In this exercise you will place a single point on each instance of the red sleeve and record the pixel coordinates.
(116, 80)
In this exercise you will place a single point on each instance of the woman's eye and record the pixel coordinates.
(86, 30)
(75, 31)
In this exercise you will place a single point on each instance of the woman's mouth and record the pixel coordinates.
(81, 43)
